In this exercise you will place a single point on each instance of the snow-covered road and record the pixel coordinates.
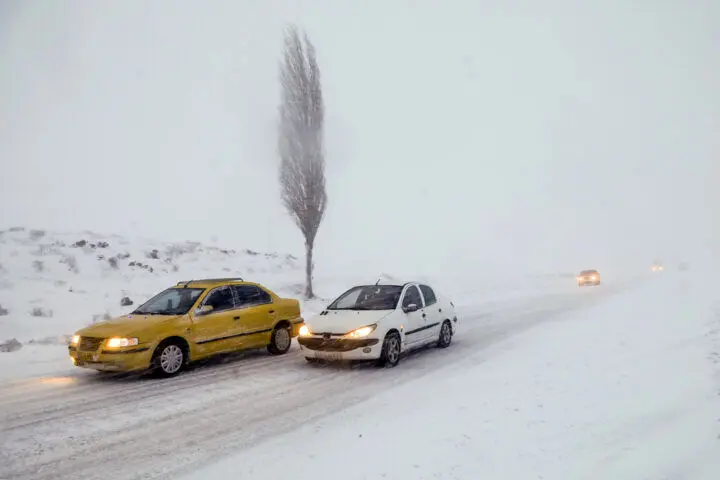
(80, 424)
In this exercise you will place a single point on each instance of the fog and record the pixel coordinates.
(548, 136)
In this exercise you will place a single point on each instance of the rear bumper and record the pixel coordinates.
(127, 360)
(340, 348)
(296, 324)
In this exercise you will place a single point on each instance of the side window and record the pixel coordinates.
(250, 295)
(429, 295)
(412, 295)
(220, 299)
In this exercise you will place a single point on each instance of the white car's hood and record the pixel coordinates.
(343, 321)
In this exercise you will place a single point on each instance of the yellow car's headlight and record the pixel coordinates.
(117, 342)
(304, 331)
(75, 340)
(361, 332)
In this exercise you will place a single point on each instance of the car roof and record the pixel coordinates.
(209, 282)
(589, 271)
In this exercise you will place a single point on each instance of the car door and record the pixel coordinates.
(257, 314)
(415, 324)
(219, 330)
(433, 311)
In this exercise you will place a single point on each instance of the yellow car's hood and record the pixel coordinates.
(126, 325)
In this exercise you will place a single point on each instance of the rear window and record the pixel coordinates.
(588, 272)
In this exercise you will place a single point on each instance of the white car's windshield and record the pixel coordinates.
(368, 297)
(173, 301)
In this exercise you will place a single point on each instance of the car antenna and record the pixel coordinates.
(378, 282)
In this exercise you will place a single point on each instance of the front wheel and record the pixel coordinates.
(446, 335)
(390, 354)
(169, 359)
(280, 341)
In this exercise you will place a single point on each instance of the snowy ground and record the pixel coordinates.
(625, 389)
(543, 380)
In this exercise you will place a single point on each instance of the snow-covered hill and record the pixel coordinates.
(52, 283)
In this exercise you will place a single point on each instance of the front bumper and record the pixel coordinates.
(340, 348)
(124, 360)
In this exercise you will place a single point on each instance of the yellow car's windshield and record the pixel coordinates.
(173, 301)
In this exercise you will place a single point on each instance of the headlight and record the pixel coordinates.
(594, 277)
(304, 331)
(361, 332)
(122, 342)
(75, 340)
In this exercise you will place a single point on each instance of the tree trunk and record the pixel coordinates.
(308, 270)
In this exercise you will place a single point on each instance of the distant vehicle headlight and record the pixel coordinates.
(304, 331)
(116, 342)
(75, 340)
(594, 277)
(361, 332)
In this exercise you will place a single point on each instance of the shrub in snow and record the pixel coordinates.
(16, 229)
(12, 345)
(141, 265)
(41, 312)
(71, 263)
(126, 302)
(123, 256)
(113, 263)
(154, 253)
(38, 265)
(3, 311)
(36, 234)
(79, 244)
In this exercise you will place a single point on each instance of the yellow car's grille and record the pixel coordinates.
(89, 344)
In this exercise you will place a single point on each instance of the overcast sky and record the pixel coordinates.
(554, 135)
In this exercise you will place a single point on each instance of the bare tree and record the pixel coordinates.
(300, 142)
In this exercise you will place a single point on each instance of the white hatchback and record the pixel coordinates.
(379, 323)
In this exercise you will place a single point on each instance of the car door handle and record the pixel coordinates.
(440, 310)
(424, 315)
(271, 311)
(236, 318)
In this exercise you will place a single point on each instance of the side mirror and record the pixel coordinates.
(410, 308)
(204, 310)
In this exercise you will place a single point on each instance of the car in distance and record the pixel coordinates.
(378, 323)
(187, 322)
(588, 277)
(657, 267)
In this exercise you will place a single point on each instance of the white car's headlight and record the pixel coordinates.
(361, 332)
(116, 342)
(75, 340)
(304, 331)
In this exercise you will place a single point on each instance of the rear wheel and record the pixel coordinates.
(446, 335)
(390, 354)
(280, 341)
(169, 358)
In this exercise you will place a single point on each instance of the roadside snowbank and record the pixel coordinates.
(624, 390)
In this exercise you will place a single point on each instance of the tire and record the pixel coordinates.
(390, 354)
(446, 335)
(169, 359)
(280, 341)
